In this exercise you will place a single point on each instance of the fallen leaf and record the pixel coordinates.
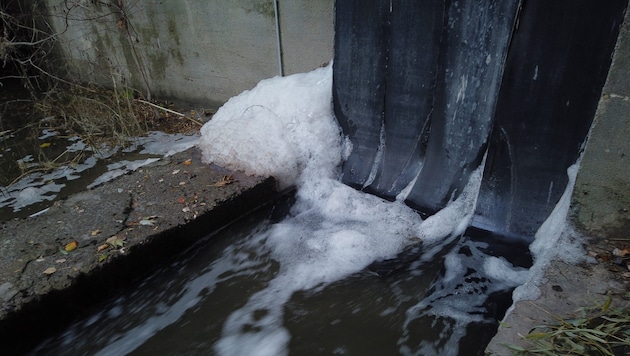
(102, 258)
(95, 232)
(50, 270)
(115, 241)
(102, 247)
(71, 246)
(61, 260)
(44, 145)
(181, 200)
(175, 171)
(187, 162)
(146, 221)
(186, 209)
(225, 180)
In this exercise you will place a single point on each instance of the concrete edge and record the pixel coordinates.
(40, 317)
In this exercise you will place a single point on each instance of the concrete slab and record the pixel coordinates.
(123, 230)
(565, 288)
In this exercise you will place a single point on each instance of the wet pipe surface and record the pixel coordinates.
(428, 89)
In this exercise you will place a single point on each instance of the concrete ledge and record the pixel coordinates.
(155, 212)
(565, 289)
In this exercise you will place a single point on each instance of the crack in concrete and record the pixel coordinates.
(127, 213)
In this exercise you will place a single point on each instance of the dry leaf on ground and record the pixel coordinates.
(225, 180)
(115, 242)
(71, 246)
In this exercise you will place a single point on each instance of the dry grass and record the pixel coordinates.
(598, 331)
(98, 114)
(101, 117)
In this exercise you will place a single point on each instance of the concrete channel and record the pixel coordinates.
(169, 206)
(123, 230)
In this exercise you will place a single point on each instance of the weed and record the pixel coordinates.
(598, 331)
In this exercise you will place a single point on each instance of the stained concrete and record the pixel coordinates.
(601, 200)
(201, 52)
(152, 214)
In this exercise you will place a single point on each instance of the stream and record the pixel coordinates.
(232, 296)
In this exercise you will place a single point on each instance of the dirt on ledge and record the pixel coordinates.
(83, 248)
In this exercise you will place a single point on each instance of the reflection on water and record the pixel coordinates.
(428, 303)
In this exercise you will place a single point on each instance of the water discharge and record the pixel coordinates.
(343, 273)
(334, 231)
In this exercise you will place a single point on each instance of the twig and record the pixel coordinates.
(170, 111)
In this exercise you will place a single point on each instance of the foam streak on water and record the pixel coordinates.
(39, 185)
(285, 128)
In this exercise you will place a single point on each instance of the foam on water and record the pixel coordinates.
(285, 128)
(36, 187)
(232, 263)
(282, 128)
(554, 240)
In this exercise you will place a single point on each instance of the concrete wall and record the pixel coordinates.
(203, 51)
(601, 199)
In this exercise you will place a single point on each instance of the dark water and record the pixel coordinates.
(420, 303)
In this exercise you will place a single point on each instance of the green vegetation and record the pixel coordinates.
(597, 331)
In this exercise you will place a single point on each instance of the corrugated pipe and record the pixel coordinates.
(279, 43)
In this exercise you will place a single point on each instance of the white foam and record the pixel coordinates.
(163, 144)
(231, 263)
(456, 216)
(35, 187)
(501, 270)
(119, 168)
(285, 128)
(553, 241)
(32, 195)
(333, 232)
(46, 133)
